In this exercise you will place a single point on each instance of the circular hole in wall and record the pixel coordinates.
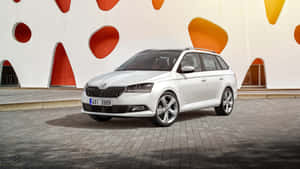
(22, 33)
(297, 34)
(8, 76)
(104, 41)
(256, 76)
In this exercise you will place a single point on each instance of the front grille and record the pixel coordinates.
(109, 92)
(104, 109)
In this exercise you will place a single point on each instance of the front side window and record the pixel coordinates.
(152, 60)
(192, 59)
(210, 62)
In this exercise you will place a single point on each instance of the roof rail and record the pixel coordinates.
(208, 50)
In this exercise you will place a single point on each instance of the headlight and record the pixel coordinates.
(139, 88)
(85, 86)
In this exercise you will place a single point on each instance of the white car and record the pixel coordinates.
(161, 84)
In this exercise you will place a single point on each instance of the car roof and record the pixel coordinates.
(200, 50)
(164, 50)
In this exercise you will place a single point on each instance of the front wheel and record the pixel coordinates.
(227, 103)
(167, 110)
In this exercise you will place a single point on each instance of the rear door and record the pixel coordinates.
(213, 74)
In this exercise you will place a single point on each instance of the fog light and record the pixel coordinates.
(138, 108)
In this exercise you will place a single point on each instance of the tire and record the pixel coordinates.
(167, 110)
(227, 103)
(100, 118)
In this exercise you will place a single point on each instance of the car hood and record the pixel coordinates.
(125, 78)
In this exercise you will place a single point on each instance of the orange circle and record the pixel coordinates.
(22, 33)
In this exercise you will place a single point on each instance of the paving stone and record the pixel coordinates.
(259, 134)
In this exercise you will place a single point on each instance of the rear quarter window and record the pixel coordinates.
(223, 64)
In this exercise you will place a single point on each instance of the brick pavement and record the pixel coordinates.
(259, 134)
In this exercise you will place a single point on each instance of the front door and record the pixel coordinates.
(192, 85)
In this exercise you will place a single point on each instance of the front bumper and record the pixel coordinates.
(126, 99)
(129, 114)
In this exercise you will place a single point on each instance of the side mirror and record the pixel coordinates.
(187, 69)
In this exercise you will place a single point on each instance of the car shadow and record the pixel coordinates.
(80, 120)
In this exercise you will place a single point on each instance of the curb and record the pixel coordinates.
(39, 105)
(268, 96)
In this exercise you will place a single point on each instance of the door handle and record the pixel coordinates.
(221, 78)
(203, 80)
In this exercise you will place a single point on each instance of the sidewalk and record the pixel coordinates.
(268, 93)
(14, 96)
(24, 99)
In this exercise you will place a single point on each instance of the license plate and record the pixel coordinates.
(100, 102)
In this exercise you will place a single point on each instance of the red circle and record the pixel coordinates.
(22, 33)
(16, 1)
(104, 41)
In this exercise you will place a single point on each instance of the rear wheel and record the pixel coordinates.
(167, 110)
(227, 103)
(100, 118)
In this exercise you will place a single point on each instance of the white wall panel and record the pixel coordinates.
(141, 27)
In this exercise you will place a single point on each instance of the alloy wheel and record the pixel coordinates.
(167, 109)
(228, 101)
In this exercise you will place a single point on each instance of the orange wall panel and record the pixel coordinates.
(273, 10)
(104, 41)
(64, 5)
(106, 5)
(258, 61)
(207, 35)
(6, 63)
(157, 4)
(297, 34)
(252, 76)
(62, 73)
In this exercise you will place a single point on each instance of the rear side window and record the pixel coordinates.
(210, 62)
(223, 64)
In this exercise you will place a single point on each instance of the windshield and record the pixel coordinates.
(152, 60)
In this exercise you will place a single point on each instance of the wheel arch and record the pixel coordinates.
(222, 91)
(228, 87)
(233, 90)
(176, 95)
